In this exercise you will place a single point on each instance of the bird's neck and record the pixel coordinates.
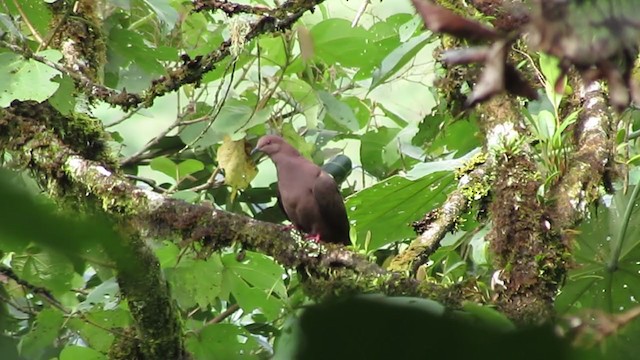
(285, 155)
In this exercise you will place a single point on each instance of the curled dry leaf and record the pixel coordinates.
(441, 20)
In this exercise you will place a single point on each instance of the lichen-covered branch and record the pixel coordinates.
(25, 130)
(32, 133)
(530, 258)
(579, 186)
(437, 223)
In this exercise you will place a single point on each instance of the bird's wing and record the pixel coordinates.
(331, 206)
(280, 205)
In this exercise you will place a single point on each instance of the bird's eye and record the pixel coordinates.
(269, 142)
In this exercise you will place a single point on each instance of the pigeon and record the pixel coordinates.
(309, 196)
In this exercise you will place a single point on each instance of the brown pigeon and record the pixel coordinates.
(309, 196)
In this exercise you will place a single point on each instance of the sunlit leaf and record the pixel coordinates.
(388, 208)
(27, 79)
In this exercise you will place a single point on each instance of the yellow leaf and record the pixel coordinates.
(239, 170)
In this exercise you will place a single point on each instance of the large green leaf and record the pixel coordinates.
(37, 12)
(42, 268)
(304, 98)
(165, 12)
(339, 112)
(387, 208)
(47, 327)
(379, 151)
(94, 328)
(398, 58)
(74, 352)
(384, 38)
(256, 282)
(223, 342)
(27, 79)
(607, 275)
(335, 41)
(190, 287)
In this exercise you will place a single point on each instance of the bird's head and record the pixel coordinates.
(270, 145)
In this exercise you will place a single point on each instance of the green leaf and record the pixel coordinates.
(165, 12)
(128, 47)
(46, 269)
(297, 141)
(165, 166)
(27, 79)
(379, 151)
(304, 98)
(546, 125)
(387, 208)
(235, 118)
(336, 41)
(103, 295)
(98, 337)
(355, 328)
(63, 99)
(190, 287)
(360, 109)
(73, 352)
(339, 112)
(47, 326)
(167, 254)
(383, 39)
(549, 66)
(256, 282)
(399, 58)
(36, 11)
(607, 271)
(222, 342)
(457, 138)
(189, 167)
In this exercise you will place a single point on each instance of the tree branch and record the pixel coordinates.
(190, 71)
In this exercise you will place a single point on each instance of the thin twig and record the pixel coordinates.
(360, 12)
(219, 107)
(28, 23)
(147, 181)
(209, 183)
(126, 116)
(223, 315)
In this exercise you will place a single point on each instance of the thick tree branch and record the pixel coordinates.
(578, 188)
(71, 176)
(530, 258)
(437, 223)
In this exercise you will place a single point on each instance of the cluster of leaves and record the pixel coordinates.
(329, 87)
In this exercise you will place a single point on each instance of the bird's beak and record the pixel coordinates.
(256, 154)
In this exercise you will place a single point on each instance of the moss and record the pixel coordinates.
(126, 346)
(470, 165)
(78, 35)
(533, 258)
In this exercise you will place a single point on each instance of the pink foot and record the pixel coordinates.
(313, 237)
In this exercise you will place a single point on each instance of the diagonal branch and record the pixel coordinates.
(190, 71)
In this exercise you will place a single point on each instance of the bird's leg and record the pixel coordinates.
(313, 237)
